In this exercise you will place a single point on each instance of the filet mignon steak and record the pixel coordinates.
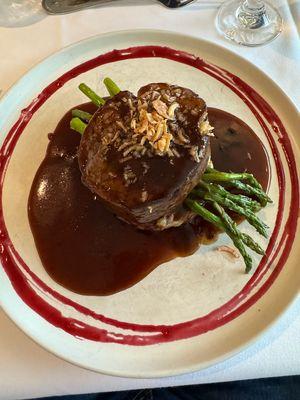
(143, 154)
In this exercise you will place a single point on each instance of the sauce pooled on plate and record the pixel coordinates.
(86, 248)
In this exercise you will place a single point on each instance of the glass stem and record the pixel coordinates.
(252, 14)
(253, 5)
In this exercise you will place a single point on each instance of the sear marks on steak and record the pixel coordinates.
(143, 154)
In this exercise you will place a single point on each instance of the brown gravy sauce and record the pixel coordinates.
(87, 249)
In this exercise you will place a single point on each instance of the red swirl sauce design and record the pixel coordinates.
(23, 279)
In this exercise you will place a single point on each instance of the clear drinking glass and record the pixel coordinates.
(18, 13)
(249, 22)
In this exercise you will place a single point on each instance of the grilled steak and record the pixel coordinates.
(143, 154)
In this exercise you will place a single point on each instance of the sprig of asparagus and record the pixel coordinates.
(212, 194)
(77, 125)
(111, 86)
(242, 181)
(240, 199)
(234, 234)
(263, 198)
(83, 115)
(198, 208)
(212, 189)
(97, 100)
(213, 175)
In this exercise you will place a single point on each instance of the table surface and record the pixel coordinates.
(25, 42)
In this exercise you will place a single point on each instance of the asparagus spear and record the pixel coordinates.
(211, 196)
(252, 244)
(77, 125)
(239, 199)
(234, 180)
(111, 86)
(97, 100)
(83, 115)
(204, 213)
(235, 235)
(216, 176)
(251, 191)
(215, 220)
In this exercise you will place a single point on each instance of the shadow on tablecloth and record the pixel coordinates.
(284, 388)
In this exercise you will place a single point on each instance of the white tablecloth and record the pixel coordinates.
(26, 370)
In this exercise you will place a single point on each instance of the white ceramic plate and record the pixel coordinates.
(191, 312)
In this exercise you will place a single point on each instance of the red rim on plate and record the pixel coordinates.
(279, 247)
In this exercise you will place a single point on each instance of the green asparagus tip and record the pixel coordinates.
(234, 233)
(77, 125)
(227, 225)
(83, 115)
(237, 204)
(97, 100)
(111, 86)
(252, 244)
